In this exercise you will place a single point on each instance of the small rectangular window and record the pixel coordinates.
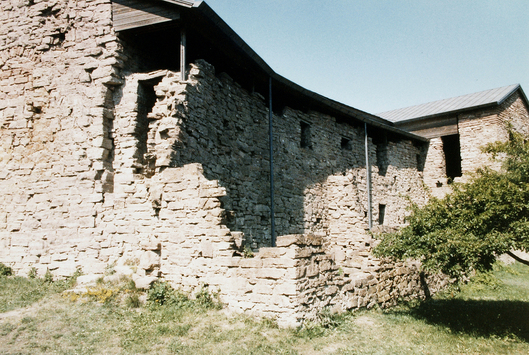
(452, 152)
(381, 214)
(346, 144)
(305, 136)
(420, 162)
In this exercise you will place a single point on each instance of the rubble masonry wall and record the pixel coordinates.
(92, 176)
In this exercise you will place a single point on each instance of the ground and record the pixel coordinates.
(486, 316)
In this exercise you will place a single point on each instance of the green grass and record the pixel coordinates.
(17, 292)
(487, 316)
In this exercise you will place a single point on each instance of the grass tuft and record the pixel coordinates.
(488, 315)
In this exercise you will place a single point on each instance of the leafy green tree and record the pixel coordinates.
(480, 219)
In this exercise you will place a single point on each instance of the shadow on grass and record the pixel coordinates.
(477, 317)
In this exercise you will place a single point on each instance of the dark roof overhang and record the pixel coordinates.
(201, 17)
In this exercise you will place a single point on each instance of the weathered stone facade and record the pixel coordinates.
(105, 163)
(456, 137)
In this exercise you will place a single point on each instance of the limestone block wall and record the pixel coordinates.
(476, 129)
(213, 121)
(295, 281)
(103, 166)
(59, 62)
(516, 112)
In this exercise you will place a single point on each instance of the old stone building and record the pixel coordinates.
(458, 127)
(168, 160)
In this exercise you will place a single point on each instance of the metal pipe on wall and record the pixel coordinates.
(368, 179)
(271, 145)
(183, 55)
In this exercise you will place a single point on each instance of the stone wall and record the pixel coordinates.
(213, 121)
(476, 128)
(103, 166)
(58, 64)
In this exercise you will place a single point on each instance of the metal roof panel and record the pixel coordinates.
(454, 104)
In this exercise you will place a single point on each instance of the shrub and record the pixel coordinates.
(5, 270)
(207, 300)
(32, 273)
(160, 293)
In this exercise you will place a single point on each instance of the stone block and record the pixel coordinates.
(149, 260)
(250, 262)
(269, 273)
(288, 288)
(270, 253)
(144, 282)
(288, 240)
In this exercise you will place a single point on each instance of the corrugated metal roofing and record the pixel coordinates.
(454, 104)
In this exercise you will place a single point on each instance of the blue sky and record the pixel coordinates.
(380, 55)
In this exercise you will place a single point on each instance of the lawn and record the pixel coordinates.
(489, 315)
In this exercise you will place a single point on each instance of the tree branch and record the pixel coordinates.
(517, 258)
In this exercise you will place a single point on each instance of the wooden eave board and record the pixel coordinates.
(435, 127)
(437, 132)
(129, 14)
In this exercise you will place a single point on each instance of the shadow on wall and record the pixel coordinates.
(212, 120)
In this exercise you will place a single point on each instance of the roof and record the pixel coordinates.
(452, 105)
(216, 27)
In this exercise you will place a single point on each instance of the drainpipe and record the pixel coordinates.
(271, 145)
(183, 55)
(368, 179)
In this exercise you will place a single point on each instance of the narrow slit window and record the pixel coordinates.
(382, 158)
(452, 152)
(346, 144)
(305, 136)
(381, 214)
(420, 162)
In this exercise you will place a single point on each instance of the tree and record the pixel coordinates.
(480, 219)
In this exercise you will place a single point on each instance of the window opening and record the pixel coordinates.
(420, 162)
(146, 102)
(305, 136)
(346, 144)
(382, 158)
(381, 214)
(452, 152)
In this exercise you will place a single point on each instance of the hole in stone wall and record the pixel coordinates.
(146, 102)
(58, 38)
(382, 158)
(346, 144)
(381, 214)
(452, 152)
(305, 141)
(47, 12)
(420, 162)
(164, 134)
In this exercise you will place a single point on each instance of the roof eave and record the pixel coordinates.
(370, 119)
(467, 109)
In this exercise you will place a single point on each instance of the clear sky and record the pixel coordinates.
(379, 55)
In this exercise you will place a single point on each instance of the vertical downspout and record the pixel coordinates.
(271, 145)
(368, 178)
(183, 55)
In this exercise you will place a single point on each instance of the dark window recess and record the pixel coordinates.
(420, 162)
(146, 101)
(381, 214)
(346, 144)
(305, 136)
(452, 152)
(382, 158)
